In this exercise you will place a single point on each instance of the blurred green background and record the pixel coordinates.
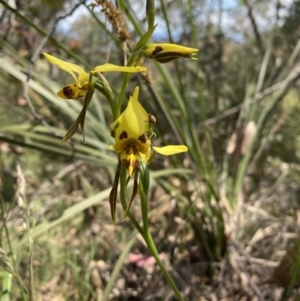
(225, 216)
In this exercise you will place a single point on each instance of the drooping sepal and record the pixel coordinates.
(80, 120)
(114, 193)
(134, 191)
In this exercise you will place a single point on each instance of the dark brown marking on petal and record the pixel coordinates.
(68, 92)
(143, 138)
(135, 164)
(157, 50)
(126, 163)
(113, 133)
(123, 135)
(76, 74)
(174, 55)
(131, 150)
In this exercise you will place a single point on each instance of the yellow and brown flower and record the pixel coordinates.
(132, 141)
(82, 85)
(166, 52)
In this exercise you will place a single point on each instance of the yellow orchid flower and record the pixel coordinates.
(132, 139)
(166, 52)
(81, 85)
(71, 91)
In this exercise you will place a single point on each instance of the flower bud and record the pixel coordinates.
(165, 52)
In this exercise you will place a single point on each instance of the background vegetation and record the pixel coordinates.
(225, 216)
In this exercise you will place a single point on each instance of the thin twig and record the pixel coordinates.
(261, 261)
(242, 267)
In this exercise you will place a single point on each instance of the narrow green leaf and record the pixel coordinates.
(6, 286)
(150, 12)
(143, 41)
(118, 266)
(5, 262)
(68, 214)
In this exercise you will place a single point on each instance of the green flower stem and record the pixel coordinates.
(133, 60)
(125, 81)
(145, 232)
(108, 93)
(151, 245)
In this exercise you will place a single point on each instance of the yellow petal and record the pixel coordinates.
(133, 123)
(80, 76)
(146, 155)
(136, 94)
(116, 68)
(71, 92)
(170, 149)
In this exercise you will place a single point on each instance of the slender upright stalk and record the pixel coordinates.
(144, 230)
(151, 245)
